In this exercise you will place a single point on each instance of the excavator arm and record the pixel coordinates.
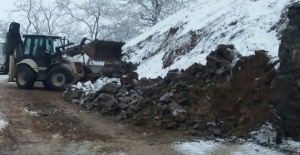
(12, 46)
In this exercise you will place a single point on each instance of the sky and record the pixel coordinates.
(4, 6)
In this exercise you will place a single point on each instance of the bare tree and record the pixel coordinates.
(52, 16)
(29, 10)
(4, 26)
(41, 16)
(152, 11)
(93, 14)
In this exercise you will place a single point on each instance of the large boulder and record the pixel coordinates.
(289, 49)
(285, 87)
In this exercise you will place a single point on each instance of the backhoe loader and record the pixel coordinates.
(49, 59)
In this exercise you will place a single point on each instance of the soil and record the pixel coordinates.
(40, 122)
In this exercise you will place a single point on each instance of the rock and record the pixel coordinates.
(104, 98)
(90, 105)
(285, 87)
(169, 77)
(215, 131)
(108, 72)
(148, 91)
(73, 95)
(196, 69)
(266, 135)
(228, 51)
(199, 126)
(224, 128)
(158, 112)
(289, 46)
(184, 102)
(295, 94)
(167, 98)
(183, 126)
(222, 56)
(144, 112)
(133, 102)
(141, 121)
(110, 88)
(181, 86)
(168, 124)
(117, 69)
(123, 115)
(123, 106)
(129, 79)
(177, 111)
(211, 124)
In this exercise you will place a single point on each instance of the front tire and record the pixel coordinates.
(58, 77)
(25, 77)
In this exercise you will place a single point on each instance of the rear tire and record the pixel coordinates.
(25, 77)
(58, 77)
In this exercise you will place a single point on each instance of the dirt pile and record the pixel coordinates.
(285, 95)
(220, 97)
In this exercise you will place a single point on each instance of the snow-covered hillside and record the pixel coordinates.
(190, 34)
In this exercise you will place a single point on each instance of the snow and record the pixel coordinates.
(32, 113)
(3, 78)
(89, 87)
(196, 148)
(265, 135)
(249, 25)
(253, 149)
(203, 147)
(3, 122)
(290, 145)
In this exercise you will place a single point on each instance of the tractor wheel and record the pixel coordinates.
(58, 77)
(25, 77)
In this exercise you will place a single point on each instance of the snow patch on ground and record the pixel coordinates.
(3, 122)
(89, 87)
(3, 78)
(203, 147)
(249, 25)
(290, 145)
(32, 113)
(196, 148)
(253, 149)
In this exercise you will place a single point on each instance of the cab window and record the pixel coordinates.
(38, 49)
(27, 46)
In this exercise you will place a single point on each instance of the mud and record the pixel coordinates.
(41, 123)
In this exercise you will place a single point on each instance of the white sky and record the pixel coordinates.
(4, 6)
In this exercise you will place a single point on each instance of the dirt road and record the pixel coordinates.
(39, 122)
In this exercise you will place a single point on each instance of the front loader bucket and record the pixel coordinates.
(104, 50)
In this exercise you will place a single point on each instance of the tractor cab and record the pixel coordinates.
(42, 49)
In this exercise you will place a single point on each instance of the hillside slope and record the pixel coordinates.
(190, 34)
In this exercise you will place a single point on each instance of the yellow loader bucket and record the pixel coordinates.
(104, 50)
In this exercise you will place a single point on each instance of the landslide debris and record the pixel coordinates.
(227, 96)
